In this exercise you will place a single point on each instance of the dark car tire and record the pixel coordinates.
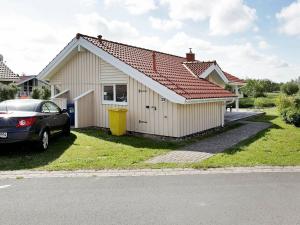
(67, 129)
(43, 142)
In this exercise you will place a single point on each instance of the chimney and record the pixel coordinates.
(190, 57)
(1, 58)
(154, 61)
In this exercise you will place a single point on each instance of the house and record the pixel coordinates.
(28, 83)
(165, 94)
(6, 74)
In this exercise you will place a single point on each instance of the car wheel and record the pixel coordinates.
(67, 129)
(43, 143)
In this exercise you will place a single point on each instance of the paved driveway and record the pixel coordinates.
(230, 117)
(212, 145)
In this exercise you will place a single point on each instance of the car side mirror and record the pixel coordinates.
(64, 111)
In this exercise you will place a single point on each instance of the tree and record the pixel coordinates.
(254, 88)
(290, 88)
(8, 91)
(270, 86)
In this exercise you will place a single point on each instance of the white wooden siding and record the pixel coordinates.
(85, 71)
(199, 117)
(84, 115)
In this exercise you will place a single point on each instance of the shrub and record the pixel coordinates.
(263, 102)
(246, 102)
(41, 93)
(46, 93)
(8, 91)
(289, 109)
(292, 116)
(36, 93)
(283, 102)
(290, 88)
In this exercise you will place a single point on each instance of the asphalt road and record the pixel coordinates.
(256, 198)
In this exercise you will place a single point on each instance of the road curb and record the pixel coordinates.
(144, 172)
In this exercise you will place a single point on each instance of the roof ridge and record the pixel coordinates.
(115, 42)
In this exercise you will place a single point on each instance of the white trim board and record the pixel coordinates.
(213, 67)
(82, 95)
(61, 93)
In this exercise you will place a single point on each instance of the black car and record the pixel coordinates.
(32, 120)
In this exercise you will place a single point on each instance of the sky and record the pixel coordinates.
(250, 39)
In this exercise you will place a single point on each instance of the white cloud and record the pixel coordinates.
(289, 18)
(225, 16)
(29, 44)
(240, 59)
(164, 25)
(263, 44)
(87, 3)
(135, 7)
(94, 24)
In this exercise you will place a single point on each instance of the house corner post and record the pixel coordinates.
(237, 99)
(52, 90)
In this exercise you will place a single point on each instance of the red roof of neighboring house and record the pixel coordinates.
(6, 74)
(169, 70)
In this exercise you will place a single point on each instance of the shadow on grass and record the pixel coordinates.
(241, 146)
(24, 156)
(130, 140)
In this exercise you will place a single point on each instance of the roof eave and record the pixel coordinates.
(207, 100)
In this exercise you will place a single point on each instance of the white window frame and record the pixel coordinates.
(113, 102)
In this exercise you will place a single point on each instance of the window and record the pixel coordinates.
(108, 93)
(115, 94)
(49, 107)
(121, 93)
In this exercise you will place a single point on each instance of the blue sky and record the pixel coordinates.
(255, 39)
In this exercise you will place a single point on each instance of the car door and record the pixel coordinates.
(50, 117)
(59, 119)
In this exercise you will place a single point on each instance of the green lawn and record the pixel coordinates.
(94, 149)
(86, 149)
(279, 145)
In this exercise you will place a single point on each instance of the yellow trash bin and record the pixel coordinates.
(117, 121)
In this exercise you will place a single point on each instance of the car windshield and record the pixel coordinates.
(17, 106)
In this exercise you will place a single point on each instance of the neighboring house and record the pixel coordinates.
(6, 74)
(28, 83)
(165, 94)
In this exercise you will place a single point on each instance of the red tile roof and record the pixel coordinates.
(169, 69)
(232, 78)
(198, 68)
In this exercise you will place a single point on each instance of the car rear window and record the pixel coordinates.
(18, 106)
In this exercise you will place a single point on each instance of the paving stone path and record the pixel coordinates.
(208, 147)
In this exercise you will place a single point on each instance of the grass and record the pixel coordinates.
(94, 149)
(86, 149)
(277, 146)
